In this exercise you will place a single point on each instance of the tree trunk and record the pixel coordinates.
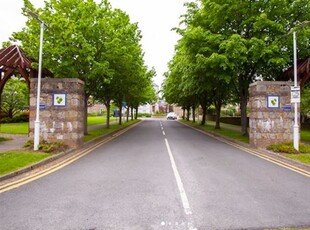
(243, 107)
(120, 113)
(85, 114)
(188, 109)
(10, 113)
(127, 115)
(108, 106)
(183, 114)
(132, 111)
(194, 114)
(204, 115)
(218, 107)
(136, 115)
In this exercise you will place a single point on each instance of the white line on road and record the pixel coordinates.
(183, 195)
(164, 133)
(179, 181)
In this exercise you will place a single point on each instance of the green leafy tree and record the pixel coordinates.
(305, 103)
(73, 41)
(89, 41)
(245, 40)
(14, 97)
(129, 76)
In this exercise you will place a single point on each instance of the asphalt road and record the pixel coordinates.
(161, 175)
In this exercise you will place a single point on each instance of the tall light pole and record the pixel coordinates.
(296, 89)
(296, 126)
(36, 140)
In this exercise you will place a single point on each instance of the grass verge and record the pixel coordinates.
(303, 158)
(104, 131)
(227, 132)
(288, 150)
(99, 120)
(11, 161)
(305, 135)
(15, 128)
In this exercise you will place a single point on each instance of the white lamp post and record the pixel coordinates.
(37, 121)
(296, 89)
(296, 126)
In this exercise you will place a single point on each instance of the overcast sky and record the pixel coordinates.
(156, 18)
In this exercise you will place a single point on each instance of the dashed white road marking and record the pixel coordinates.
(164, 133)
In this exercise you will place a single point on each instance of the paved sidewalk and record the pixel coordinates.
(17, 142)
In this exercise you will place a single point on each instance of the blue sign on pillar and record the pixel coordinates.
(287, 108)
(42, 106)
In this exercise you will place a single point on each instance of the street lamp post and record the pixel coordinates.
(37, 121)
(296, 88)
(296, 126)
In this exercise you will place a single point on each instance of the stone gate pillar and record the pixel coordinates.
(61, 110)
(271, 113)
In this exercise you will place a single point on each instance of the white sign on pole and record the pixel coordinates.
(295, 94)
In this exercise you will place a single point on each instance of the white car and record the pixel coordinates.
(172, 116)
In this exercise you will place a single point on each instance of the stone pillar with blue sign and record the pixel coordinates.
(61, 110)
(271, 113)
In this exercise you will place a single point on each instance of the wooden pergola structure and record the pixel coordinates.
(303, 72)
(13, 61)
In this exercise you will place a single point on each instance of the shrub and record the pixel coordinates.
(53, 147)
(288, 147)
(144, 115)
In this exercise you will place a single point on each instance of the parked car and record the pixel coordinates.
(172, 116)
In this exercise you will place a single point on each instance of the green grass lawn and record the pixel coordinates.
(23, 127)
(305, 135)
(99, 120)
(15, 128)
(304, 158)
(11, 161)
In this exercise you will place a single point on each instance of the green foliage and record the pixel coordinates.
(19, 117)
(53, 147)
(144, 115)
(11, 161)
(289, 148)
(2, 139)
(226, 45)
(93, 42)
(305, 102)
(14, 97)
